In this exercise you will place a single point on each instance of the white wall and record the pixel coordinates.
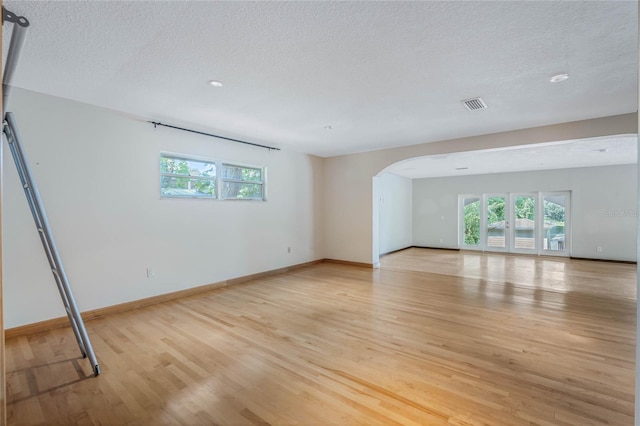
(603, 206)
(395, 199)
(348, 192)
(98, 174)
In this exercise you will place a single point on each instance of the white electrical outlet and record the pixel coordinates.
(151, 273)
(599, 249)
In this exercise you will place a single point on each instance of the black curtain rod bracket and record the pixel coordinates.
(9, 16)
(270, 148)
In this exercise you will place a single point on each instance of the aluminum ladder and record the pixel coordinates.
(10, 130)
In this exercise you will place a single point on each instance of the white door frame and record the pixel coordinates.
(507, 221)
(567, 224)
(461, 241)
(512, 237)
(510, 233)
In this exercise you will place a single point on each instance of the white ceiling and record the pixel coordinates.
(548, 156)
(381, 74)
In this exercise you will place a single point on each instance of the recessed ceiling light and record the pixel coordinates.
(328, 127)
(559, 77)
(215, 83)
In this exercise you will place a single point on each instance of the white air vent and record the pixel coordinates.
(474, 104)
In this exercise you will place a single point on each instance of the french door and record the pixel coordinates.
(528, 222)
(555, 211)
(496, 222)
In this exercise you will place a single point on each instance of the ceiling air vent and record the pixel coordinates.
(474, 104)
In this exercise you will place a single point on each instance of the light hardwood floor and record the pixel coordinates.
(431, 338)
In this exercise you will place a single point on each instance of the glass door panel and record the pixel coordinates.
(497, 224)
(524, 223)
(555, 208)
(533, 223)
(471, 222)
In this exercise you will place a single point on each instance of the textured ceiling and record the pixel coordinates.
(547, 156)
(381, 74)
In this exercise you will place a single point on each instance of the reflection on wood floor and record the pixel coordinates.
(431, 338)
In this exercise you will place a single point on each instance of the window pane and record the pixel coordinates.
(171, 186)
(471, 221)
(238, 190)
(554, 222)
(181, 166)
(525, 209)
(496, 222)
(241, 173)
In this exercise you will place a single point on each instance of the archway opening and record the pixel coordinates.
(416, 201)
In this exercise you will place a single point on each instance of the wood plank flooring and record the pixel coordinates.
(431, 338)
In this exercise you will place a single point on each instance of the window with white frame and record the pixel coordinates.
(242, 182)
(185, 177)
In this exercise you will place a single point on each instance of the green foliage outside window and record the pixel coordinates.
(553, 212)
(472, 223)
(525, 208)
(495, 209)
(190, 178)
(242, 182)
(554, 215)
(187, 178)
